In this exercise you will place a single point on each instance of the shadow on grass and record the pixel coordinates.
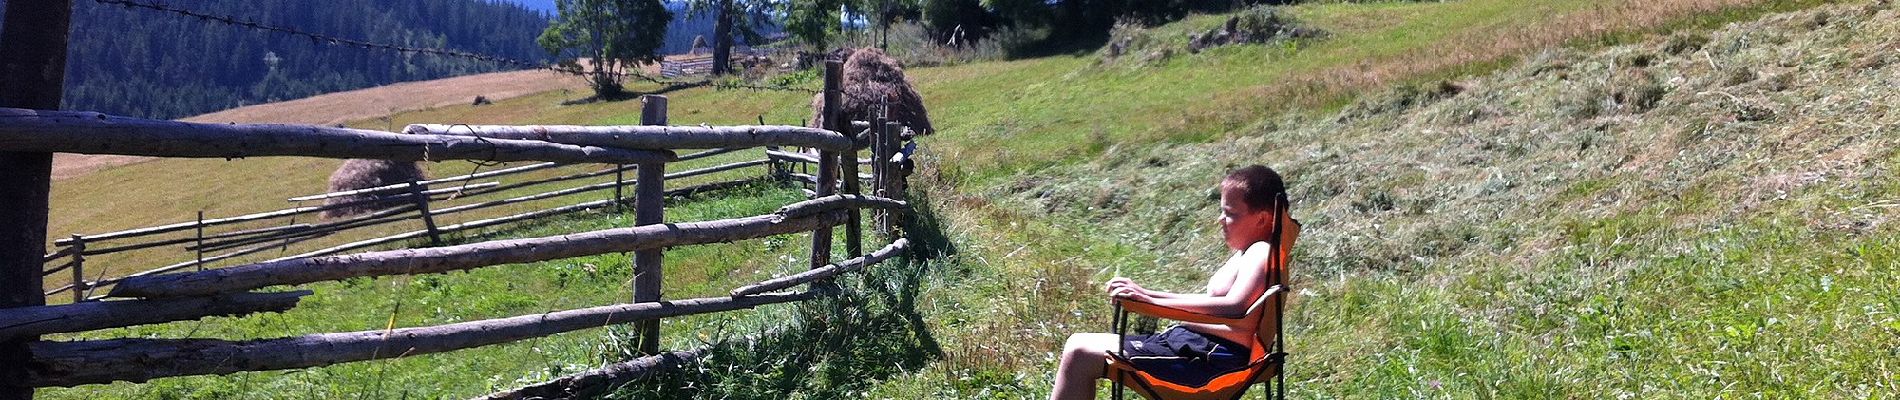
(831, 347)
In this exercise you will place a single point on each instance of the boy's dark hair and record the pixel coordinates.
(1260, 187)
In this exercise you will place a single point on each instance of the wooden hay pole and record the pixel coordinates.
(892, 250)
(467, 256)
(594, 382)
(137, 360)
(94, 315)
(95, 133)
(649, 137)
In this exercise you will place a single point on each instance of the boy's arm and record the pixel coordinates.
(1237, 298)
(1120, 282)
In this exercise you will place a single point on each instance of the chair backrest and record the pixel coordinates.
(1267, 332)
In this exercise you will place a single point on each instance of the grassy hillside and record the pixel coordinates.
(1693, 215)
(1523, 199)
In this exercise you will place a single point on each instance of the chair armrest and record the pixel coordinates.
(1165, 312)
(1276, 290)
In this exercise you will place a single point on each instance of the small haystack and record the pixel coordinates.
(872, 79)
(362, 174)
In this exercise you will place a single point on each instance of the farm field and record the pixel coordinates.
(1661, 199)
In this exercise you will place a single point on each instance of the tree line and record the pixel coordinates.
(146, 63)
(153, 64)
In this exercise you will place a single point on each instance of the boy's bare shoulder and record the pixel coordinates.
(1258, 251)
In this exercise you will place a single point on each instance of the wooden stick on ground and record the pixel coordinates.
(594, 382)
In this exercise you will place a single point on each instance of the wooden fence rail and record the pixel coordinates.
(164, 295)
(80, 317)
(79, 362)
(95, 133)
(295, 233)
(467, 256)
(649, 137)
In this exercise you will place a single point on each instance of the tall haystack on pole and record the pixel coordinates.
(363, 174)
(873, 79)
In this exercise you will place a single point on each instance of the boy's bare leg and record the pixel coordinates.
(1083, 359)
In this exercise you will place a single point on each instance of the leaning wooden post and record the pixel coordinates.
(422, 205)
(890, 184)
(32, 75)
(853, 230)
(649, 194)
(199, 243)
(773, 166)
(620, 180)
(79, 263)
(900, 176)
(880, 155)
(827, 159)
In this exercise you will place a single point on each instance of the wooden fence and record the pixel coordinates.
(167, 294)
(687, 66)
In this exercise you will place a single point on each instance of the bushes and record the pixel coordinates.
(1133, 37)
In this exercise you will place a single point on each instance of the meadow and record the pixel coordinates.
(1502, 199)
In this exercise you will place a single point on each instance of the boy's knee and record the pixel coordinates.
(1082, 343)
(1075, 342)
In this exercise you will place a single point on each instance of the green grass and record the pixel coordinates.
(494, 292)
(1485, 219)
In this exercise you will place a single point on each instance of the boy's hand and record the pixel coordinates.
(1120, 282)
(1131, 293)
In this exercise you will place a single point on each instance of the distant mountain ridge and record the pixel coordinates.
(155, 64)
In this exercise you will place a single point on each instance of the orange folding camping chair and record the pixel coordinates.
(1267, 356)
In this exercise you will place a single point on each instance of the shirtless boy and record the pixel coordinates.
(1248, 199)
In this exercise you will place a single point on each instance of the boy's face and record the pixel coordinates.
(1242, 225)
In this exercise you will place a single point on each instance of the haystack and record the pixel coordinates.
(871, 80)
(362, 174)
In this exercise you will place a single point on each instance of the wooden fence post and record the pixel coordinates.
(649, 208)
(199, 243)
(880, 155)
(827, 159)
(422, 206)
(776, 168)
(853, 231)
(899, 183)
(32, 75)
(79, 263)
